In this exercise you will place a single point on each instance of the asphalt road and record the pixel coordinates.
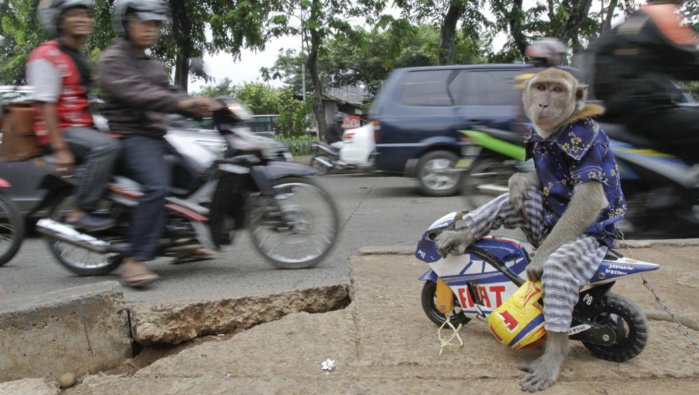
(374, 211)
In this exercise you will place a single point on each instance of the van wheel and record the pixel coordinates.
(437, 174)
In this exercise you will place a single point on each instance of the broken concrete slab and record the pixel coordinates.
(76, 330)
(174, 323)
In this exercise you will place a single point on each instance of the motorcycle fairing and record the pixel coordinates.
(623, 267)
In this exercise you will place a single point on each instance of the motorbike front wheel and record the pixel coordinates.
(299, 229)
(430, 308)
(79, 260)
(629, 323)
(11, 229)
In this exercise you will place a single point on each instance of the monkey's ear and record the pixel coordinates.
(580, 96)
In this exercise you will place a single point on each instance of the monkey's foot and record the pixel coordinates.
(529, 367)
(543, 372)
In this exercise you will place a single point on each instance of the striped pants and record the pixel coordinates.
(566, 270)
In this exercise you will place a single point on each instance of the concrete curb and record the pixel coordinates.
(405, 250)
(76, 330)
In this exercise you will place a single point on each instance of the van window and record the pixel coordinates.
(489, 88)
(426, 88)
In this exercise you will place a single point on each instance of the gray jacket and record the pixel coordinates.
(136, 91)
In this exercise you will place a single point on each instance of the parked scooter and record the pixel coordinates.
(293, 222)
(357, 152)
(476, 283)
(656, 186)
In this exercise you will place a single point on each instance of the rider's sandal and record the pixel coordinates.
(139, 278)
(193, 255)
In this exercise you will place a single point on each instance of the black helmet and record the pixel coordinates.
(51, 11)
(546, 52)
(339, 117)
(144, 10)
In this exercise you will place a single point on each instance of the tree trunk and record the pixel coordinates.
(318, 109)
(578, 13)
(607, 24)
(515, 22)
(182, 32)
(447, 35)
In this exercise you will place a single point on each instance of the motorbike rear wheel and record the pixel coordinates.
(305, 230)
(430, 308)
(629, 323)
(11, 229)
(486, 179)
(79, 260)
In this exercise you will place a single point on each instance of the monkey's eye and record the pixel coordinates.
(558, 89)
(541, 87)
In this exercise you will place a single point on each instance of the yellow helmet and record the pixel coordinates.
(519, 322)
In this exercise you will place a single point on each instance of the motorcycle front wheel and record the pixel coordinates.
(299, 228)
(11, 229)
(429, 306)
(79, 260)
(629, 323)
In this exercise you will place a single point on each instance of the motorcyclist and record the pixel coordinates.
(137, 95)
(334, 132)
(634, 68)
(60, 78)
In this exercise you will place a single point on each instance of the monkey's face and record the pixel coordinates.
(550, 98)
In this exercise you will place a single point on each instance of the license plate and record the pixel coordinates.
(463, 163)
(471, 150)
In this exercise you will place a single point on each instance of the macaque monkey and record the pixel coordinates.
(567, 208)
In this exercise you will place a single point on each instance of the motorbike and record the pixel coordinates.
(357, 152)
(656, 186)
(11, 226)
(293, 222)
(474, 284)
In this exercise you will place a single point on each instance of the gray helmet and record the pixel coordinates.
(144, 10)
(51, 11)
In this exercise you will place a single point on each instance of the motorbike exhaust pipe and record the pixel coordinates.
(324, 162)
(68, 234)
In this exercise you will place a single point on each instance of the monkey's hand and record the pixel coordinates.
(535, 269)
(454, 241)
(518, 184)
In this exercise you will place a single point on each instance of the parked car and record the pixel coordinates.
(419, 110)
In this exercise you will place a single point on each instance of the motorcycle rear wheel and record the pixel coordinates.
(629, 323)
(77, 259)
(486, 179)
(11, 229)
(430, 308)
(309, 230)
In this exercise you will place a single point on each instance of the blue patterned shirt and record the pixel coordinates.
(577, 154)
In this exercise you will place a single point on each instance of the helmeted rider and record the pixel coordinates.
(334, 132)
(546, 52)
(635, 65)
(137, 96)
(60, 78)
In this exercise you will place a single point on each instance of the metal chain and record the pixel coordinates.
(683, 329)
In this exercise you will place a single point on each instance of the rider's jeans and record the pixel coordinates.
(144, 160)
(97, 152)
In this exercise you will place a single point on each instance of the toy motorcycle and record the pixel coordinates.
(476, 283)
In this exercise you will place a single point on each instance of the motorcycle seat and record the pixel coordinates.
(612, 255)
(619, 132)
